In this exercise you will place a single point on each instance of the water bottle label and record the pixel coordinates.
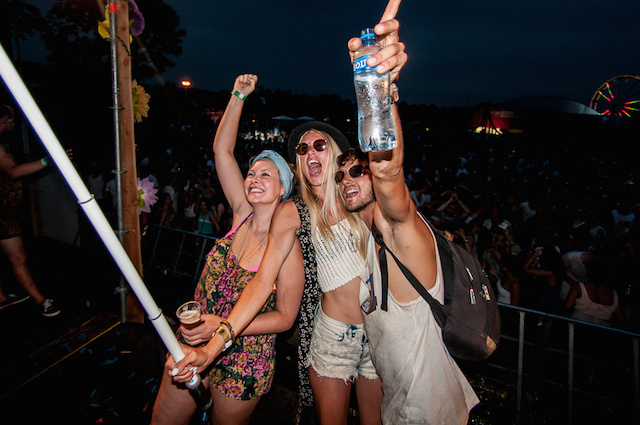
(360, 65)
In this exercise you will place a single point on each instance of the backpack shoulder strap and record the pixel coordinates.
(382, 260)
(384, 271)
(445, 253)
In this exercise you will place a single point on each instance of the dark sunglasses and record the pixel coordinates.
(319, 145)
(355, 171)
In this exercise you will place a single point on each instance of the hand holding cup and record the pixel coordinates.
(189, 314)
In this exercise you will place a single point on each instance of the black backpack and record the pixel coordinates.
(469, 318)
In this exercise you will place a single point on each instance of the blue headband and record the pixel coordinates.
(286, 176)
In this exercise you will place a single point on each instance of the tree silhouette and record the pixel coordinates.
(17, 21)
(77, 83)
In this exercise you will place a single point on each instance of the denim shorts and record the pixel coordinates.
(339, 350)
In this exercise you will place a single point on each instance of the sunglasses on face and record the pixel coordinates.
(319, 145)
(355, 171)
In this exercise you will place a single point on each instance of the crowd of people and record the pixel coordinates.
(496, 195)
(538, 220)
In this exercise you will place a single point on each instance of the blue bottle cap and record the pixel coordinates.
(367, 34)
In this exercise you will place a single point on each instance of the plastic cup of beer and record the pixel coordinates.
(189, 314)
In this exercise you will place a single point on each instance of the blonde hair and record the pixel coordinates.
(331, 209)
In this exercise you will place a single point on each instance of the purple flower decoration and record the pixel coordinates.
(136, 20)
(146, 195)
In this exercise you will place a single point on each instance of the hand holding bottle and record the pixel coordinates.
(392, 57)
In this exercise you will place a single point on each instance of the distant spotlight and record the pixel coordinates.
(185, 83)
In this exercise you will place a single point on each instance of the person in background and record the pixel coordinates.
(190, 209)
(172, 189)
(594, 300)
(11, 241)
(508, 287)
(96, 184)
(205, 223)
(455, 212)
(545, 270)
(575, 270)
(168, 215)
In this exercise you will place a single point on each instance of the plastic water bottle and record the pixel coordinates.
(375, 124)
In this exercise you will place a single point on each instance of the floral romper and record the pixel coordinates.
(244, 371)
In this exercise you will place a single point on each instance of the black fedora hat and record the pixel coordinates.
(297, 133)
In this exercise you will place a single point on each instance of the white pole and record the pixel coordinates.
(87, 202)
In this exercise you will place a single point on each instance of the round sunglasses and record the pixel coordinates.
(355, 171)
(319, 145)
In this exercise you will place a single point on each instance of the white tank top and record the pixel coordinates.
(504, 296)
(338, 259)
(421, 382)
(587, 307)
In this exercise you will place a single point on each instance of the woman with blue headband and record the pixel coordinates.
(244, 372)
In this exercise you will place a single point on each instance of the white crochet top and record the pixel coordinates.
(338, 259)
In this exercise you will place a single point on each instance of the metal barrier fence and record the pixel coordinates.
(548, 368)
(174, 252)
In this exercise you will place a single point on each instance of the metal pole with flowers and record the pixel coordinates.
(119, 32)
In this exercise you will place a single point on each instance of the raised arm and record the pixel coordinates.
(392, 56)
(227, 168)
(392, 194)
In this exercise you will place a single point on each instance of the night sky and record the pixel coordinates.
(461, 53)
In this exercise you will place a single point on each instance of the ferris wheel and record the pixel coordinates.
(618, 97)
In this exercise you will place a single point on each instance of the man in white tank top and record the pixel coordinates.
(421, 382)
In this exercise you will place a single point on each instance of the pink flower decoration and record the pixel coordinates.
(146, 195)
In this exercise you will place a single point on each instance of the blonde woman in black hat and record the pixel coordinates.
(336, 356)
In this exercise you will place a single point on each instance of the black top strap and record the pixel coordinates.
(382, 259)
